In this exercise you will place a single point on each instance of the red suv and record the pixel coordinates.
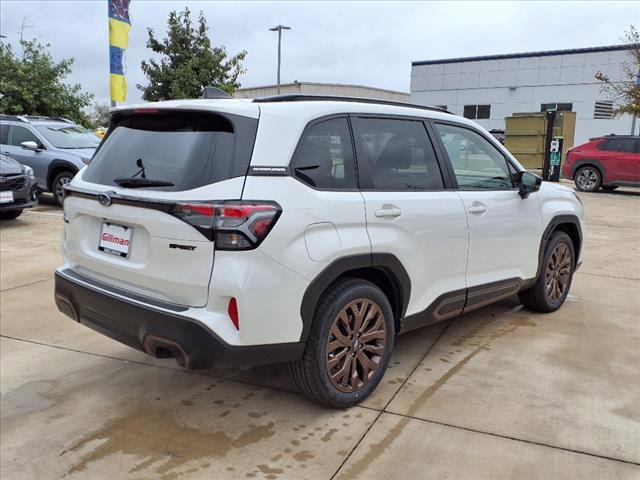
(607, 162)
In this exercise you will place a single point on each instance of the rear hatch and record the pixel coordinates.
(136, 218)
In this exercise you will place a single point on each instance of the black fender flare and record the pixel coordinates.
(588, 161)
(386, 262)
(546, 235)
(56, 164)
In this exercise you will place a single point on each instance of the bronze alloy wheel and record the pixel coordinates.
(355, 345)
(558, 273)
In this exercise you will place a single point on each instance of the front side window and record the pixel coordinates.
(398, 154)
(324, 158)
(477, 164)
(18, 134)
(69, 136)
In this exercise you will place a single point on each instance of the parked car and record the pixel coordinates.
(55, 148)
(608, 162)
(310, 230)
(17, 188)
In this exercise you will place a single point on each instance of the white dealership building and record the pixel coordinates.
(490, 88)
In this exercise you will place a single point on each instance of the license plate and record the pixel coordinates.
(115, 239)
(6, 197)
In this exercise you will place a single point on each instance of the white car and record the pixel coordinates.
(309, 230)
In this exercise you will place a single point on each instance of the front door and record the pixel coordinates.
(504, 229)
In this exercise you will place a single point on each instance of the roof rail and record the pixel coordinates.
(44, 117)
(13, 118)
(336, 98)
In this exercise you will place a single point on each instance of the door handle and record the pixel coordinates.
(388, 211)
(477, 208)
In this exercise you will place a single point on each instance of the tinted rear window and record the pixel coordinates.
(187, 149)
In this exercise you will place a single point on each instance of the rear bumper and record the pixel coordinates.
(156, 331)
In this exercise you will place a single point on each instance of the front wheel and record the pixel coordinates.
(588, 179)
(57, 187)
(553, 284)
(349, 345)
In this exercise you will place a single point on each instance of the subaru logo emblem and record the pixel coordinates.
(104, 199)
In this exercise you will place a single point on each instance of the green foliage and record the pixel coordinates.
(33, 84)
(100, 115)
(188, 62)
(625, 92)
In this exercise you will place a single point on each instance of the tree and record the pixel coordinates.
(188, 62)
(100, 115)
(625, 92)
(33, 84)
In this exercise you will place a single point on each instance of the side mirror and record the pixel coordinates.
(528, 183)
(31, 145)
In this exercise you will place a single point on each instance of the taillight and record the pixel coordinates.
(232, 225)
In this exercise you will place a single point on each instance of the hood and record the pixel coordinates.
(79, 152)
(8, 166)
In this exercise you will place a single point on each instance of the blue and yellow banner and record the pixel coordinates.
(119, 26)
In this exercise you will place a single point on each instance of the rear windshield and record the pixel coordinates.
(187, 149)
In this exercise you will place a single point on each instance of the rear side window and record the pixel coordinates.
(619, 145)
(17, 135)
(397, 154)
(324, 157)
(187, 149)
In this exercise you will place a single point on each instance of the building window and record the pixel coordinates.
(560, 107)
(477, 112)
(603, 109)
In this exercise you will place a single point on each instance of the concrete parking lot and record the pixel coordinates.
(498, 394)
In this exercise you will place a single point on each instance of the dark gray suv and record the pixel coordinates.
(55, 148)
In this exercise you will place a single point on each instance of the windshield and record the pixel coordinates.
(173, 151)
(69, 136)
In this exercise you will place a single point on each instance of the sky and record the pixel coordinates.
(364, 42)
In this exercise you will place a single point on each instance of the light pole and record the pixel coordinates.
(279, 29)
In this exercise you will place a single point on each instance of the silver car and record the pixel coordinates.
(55, 148)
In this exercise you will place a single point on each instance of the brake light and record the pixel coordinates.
(232, 225)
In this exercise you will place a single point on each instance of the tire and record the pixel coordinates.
(609, 188)
(57, 187)
(554, 282)
(588, 179)
(10, 215)
(344, 300)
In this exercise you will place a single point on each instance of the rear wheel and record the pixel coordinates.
(588, 179)
(349, 345)
(10, 215)
(552, 287)
(57, 187)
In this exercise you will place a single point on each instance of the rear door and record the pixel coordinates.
(504, 229)
(120, 224)
(409, 212)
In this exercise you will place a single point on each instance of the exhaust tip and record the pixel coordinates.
(160, 347)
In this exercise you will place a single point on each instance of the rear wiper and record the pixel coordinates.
(130, 182)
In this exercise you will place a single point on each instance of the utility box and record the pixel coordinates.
(525, 136)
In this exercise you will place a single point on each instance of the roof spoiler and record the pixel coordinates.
(214, 92)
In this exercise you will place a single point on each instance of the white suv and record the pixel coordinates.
(310, 230)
